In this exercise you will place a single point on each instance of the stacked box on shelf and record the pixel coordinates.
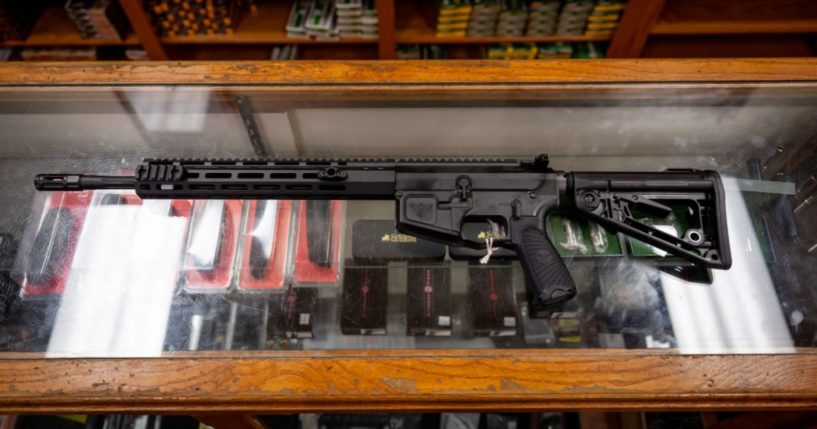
(434, 52)
(588, 50)
(421, 52)
(331, 19)
(557, 50)
(512, 19)
(527, 51)
(604, 17)
(321, 21)
(573, 17)
(136, 54)
(297, 18)
(284, 52)
(17, 18)
(85, 53)
(356, 19)
(369, 21)
(452, 18)
(191, 17)
(511, 51)
(542, 17)
(98, 19)
(408, 52)
(349, 14)
(484, 17)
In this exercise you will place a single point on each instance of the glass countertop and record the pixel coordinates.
(103, 273)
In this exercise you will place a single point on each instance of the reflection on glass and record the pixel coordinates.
(740, 312)
(102, 274)
(121, 282)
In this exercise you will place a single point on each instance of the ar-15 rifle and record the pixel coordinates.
(435, 198)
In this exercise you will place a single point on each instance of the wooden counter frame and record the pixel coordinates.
(412, 380)
(406, 74)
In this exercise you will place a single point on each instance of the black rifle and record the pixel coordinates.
(435, 197)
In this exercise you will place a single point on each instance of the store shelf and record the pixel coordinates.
(729, 46)
(427, 35)
(789, 26)
(266, 26)
(415, 25)
(690, 17)
(55, 28)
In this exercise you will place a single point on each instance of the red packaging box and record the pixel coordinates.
(75, 205)
(306, 272)
(220, 278)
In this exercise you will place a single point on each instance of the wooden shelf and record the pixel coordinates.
(55, 28)
(729, 46)
(789, 26)
(690, 17)
(267, 26)
(427, 381)
(413, 22)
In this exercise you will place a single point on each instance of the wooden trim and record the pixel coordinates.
(634, 28)
(509, 380)
(441, 73)
(792, 26)
(140, 23)
(386, 47)
(94, 99)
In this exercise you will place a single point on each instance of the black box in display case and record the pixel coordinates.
(364, 299)
(492, 300)
(377, 240)
(428, 299)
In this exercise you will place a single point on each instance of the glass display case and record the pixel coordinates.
(103, 274)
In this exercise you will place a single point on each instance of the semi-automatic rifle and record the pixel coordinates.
(436, 197)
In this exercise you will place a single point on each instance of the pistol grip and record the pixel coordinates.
(546, 276)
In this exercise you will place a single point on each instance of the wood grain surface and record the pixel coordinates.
(738, 10)
(698, 17)
(385, 29)
(144, 30)
(349, 73)
(632, 32)
(510, 380)
(734, 27)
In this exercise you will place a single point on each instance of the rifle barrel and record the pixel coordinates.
(79, 182)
